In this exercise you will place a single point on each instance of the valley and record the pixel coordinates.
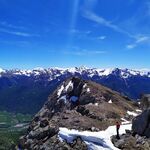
(12, 126)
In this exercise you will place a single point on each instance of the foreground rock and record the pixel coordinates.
(130, 142)
(145, 101)
(76, 104)
(141, 124)
(139, 137)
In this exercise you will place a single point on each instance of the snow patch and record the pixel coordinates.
(85, 85)
(110, 101)
(60, 91)
(2, 70)
(138, 110)
(70, 84)
(63, 98)
(104, 72)
(132, 113)
(88, 89)
(96, 104)
(95, 140)
(125, 121)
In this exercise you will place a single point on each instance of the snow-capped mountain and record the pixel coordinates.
(25, 86)
(123, 73)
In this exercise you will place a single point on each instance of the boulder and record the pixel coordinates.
(129, 142)
(141, 124)
(44, 123)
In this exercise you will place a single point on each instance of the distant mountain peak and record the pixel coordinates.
(2, 70)
(90, 72)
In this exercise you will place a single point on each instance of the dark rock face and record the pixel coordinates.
(145, 101)
(90, 110)
(141, 124)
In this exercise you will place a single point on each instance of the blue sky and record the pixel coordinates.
(68, 33)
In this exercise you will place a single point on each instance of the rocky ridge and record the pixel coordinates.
(75, 104)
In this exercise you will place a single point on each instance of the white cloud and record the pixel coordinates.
(101, 37)
(141, 39)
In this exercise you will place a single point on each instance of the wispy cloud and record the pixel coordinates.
(131, 46)
(8, 28)
(139, 40)
(84, 52)
(8, 25)
(76, 31)
(102, 21)
(81, 34)
(17, 33)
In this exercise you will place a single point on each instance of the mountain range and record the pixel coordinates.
(26, 90)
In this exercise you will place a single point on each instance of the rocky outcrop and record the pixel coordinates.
(130, 142)
(139, 136)
(75, 104)
(141, 124)
(54, 143)
(76, 145)
(145, 101)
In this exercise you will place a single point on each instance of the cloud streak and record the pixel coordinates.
(102, 21)
(139, 40)
(17, 33)
(84, 52)
(14, 30)
(8, 25)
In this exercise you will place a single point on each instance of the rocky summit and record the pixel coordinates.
(75, 104)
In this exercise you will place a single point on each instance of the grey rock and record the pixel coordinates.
(145, 101)
(141, 124)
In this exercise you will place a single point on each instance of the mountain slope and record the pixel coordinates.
(26, 90)
(76, 104)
